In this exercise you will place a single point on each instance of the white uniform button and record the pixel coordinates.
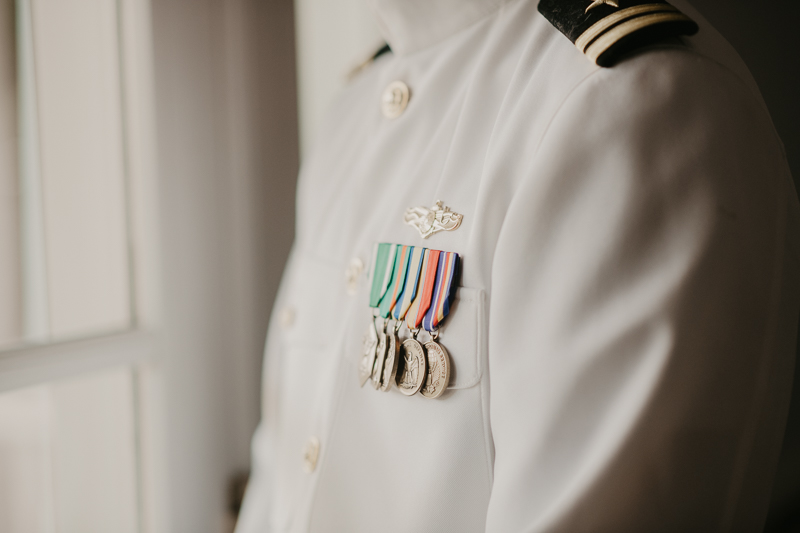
(287, 317)
(311, 455)
(395, 99)
(353, 272)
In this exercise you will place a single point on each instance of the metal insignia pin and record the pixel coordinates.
(429, 221)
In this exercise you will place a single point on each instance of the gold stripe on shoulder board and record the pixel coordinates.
(599, 27)
(604, 42)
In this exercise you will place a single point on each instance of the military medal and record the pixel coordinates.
(414, 285)
(382, 263)
(368, 354)
(391, 359)
(385, 369)
(380, 357)
(411, 363)
(412, 373)
(438, 375)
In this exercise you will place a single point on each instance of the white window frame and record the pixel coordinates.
(35, 363)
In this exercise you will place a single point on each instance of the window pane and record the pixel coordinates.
(76, 55)
(64, 240)
(25, 473)
(67, 457)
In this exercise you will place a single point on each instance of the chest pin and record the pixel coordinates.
(430, 221)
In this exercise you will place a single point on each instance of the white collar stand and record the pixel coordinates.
(411, 25)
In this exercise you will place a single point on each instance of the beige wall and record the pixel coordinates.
(226, 116)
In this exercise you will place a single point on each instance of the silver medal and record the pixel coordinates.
(438, 375)
(392, 356)
(368, 354)
(412, 369)
(380, 356)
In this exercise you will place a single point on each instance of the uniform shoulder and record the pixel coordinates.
(671, 102)
(606, 30)
(641, 40)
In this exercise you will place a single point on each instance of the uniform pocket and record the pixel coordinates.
(315, 302)
(463, 334)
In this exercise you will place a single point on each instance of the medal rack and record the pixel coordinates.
(415, 287)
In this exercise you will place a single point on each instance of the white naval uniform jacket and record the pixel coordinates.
(622, 338)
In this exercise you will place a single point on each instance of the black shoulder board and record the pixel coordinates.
(606, 29)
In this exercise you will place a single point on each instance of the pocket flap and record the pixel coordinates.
(316, 297)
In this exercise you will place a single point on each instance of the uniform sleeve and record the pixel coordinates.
(639, 371)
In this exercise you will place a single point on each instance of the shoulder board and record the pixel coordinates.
(604, 30)
(385, 49)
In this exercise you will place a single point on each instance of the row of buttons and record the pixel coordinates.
(287, 319)
(393, 104)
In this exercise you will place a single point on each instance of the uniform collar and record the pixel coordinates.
(411, 25)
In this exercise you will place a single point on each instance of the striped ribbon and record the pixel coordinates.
(382, 265)
(410, 286)
(398, 278)
(444, 291)
(427, 282)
